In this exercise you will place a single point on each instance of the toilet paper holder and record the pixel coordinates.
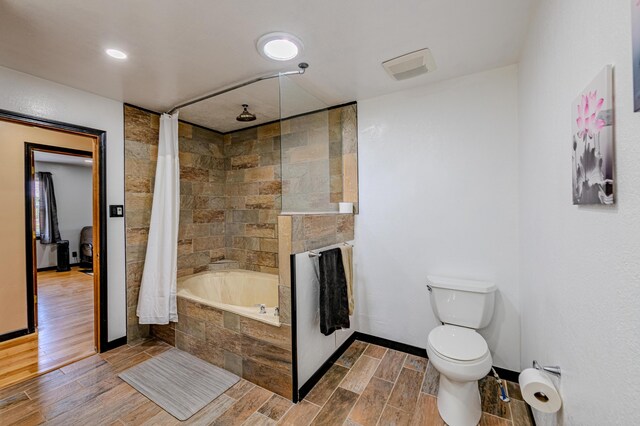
(552, 369)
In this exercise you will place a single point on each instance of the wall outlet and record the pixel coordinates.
(74, 254)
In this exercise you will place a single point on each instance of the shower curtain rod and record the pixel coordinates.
(302, 65)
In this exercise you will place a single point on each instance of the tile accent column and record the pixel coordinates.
(140, 155)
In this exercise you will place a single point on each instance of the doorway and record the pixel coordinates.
(63, 284)
(62, 317)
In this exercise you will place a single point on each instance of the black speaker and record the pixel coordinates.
(63, 256)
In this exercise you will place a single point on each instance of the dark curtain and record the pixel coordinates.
(49, 232)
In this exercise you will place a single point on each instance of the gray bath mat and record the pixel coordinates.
(179, 382)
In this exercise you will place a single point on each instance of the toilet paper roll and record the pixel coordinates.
(538, 390)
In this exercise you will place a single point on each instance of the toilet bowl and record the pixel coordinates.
(456, 350)
(462, 357)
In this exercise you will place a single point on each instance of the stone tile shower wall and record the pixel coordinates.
(316, 175)
(253, 190)
(305, 163)
(202, 202)
(319, 175)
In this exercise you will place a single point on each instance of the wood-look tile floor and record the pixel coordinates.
(65, 328)
(368, 385)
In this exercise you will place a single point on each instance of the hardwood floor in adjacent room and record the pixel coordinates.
(65, 328)
(368, 386)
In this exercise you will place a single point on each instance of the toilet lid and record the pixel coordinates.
(458, 343)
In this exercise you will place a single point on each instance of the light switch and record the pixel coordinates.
(116, 211)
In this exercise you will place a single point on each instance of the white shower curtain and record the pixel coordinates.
(157, 300)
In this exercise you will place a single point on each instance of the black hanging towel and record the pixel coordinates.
(334, 302)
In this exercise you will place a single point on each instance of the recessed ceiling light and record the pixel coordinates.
(115, 53)
(279, 46)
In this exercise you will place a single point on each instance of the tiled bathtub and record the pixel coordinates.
(236, 291)
(218, 323)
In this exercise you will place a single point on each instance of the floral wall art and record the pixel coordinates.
(593, 156)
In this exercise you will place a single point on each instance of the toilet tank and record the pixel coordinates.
(461, 302)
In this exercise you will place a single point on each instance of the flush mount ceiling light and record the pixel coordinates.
(115, 53)
(279, 46)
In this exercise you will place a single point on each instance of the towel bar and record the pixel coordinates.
(314, 254)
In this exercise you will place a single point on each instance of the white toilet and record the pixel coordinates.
(456, 350)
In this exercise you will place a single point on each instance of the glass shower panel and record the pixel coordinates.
(305, 151)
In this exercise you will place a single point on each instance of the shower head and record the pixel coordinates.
(245, 115)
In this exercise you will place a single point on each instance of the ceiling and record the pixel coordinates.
(180, 50)
(50, 157)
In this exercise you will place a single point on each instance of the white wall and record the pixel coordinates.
(438, 195)
(579, 266)
(34, 96)
(74, 198)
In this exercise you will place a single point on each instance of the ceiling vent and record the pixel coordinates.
(410, 65)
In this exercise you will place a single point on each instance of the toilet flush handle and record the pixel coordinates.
(429, 288)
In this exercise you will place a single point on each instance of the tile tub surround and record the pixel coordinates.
(253, 197)
(202, 202)
(258, 352)
(352, 392)
(230, 200)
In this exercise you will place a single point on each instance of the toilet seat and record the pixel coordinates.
(458, 344)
